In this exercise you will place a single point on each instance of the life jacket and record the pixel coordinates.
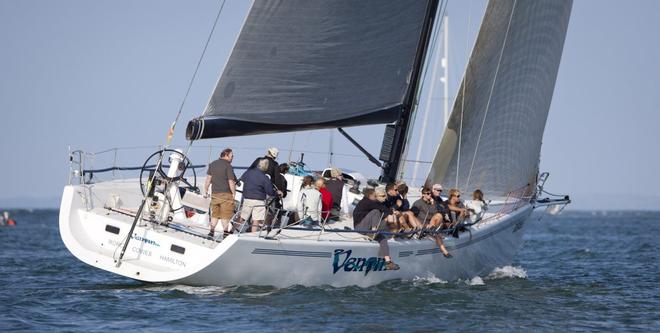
(11, 222)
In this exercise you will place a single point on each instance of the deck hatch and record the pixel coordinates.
(177, 249)
(112, 229)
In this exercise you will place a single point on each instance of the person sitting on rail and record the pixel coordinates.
(396, 223)
(457, 211)
(402, 188)
(425, 209)
(371, 215)
(309, 205)
(326, 199)
(477, 206)
(436, 192)
(256, 186)
(396, 203)
(441, 205)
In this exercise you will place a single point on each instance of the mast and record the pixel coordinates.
(394, 140)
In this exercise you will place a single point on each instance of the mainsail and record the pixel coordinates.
(309, 64)
(493, 138)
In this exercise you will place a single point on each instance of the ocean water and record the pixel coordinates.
(580, 271)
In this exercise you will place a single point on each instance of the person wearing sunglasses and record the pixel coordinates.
(396, 202)
(436, 192)
(371, 215)
(456, 208)
(425, 210)
(440, 204)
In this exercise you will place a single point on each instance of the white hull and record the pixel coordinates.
(297, 257)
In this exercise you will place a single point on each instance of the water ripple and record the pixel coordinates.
(564, 278)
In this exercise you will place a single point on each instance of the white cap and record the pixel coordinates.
(273, 152)
(437, 187)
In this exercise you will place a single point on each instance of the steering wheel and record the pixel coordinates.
(183, 166)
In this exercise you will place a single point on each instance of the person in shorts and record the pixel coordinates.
(256, 187)
(220, 175)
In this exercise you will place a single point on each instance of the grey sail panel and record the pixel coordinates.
(493, 137)
(302, 64)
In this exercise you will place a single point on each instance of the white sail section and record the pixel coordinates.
(493, 137)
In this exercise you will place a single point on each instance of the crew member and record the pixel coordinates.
(221, 175)
(370, 214)
(256, 187)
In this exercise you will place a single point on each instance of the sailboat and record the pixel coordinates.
(316, 64)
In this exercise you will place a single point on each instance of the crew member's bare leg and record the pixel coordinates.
(255, 225)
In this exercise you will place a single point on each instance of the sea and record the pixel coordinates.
(577, 271)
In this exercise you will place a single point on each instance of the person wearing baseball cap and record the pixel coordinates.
(441, 205)
(273, 166)
(436, 191)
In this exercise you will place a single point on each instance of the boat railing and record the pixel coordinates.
(87, 167)
(274, 225)
(514, 200)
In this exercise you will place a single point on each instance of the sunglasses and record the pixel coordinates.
(437, 190)
(427, 193)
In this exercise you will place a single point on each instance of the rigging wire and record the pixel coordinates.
(170, 134)
(490, 94)
(199, 62)
(442, 9)
(467, 68)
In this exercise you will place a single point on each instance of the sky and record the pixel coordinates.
(95, 75)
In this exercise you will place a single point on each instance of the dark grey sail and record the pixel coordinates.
(493, 138)
(309, 64)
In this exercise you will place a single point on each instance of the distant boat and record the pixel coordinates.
(313, 64)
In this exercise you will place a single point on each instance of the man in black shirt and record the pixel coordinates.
(335, 186)
(271, 155)
(369, 214)
(395, 202)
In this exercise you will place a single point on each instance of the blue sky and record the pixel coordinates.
(102, 74)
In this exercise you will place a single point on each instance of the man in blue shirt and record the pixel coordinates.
(256, 186)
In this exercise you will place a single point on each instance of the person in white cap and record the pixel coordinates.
(271, 155)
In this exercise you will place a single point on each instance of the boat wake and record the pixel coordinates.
(476, 281)
(427, 280)
(504, 272)
(190, 290)
(507, 272)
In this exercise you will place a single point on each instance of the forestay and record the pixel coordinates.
(493, 138)
(306, 64)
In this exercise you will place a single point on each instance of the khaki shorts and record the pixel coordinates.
(255, 208)
(222, 206)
